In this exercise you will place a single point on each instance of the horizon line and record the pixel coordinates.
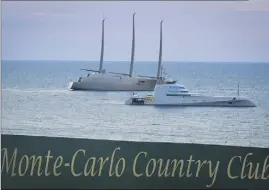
(140, 61)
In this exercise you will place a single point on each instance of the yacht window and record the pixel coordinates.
(141, 81)
(171, 82)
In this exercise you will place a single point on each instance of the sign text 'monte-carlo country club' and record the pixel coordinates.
(17, 164)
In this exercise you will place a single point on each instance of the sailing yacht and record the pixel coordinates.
(100, 80)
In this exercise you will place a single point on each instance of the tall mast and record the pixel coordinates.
(102, 47)
(160, 52)
(133, 48)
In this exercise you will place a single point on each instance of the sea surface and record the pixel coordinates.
(36, 101)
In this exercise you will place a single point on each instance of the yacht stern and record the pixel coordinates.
(135, 100)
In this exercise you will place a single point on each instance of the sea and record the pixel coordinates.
(36, 101)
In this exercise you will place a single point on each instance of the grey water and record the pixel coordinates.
(36, 101)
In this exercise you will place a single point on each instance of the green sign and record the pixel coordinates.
(50, 162)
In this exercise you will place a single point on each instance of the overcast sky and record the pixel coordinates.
(192, 31)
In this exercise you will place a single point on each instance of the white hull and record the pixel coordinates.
(110, 82)
(198, 101)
